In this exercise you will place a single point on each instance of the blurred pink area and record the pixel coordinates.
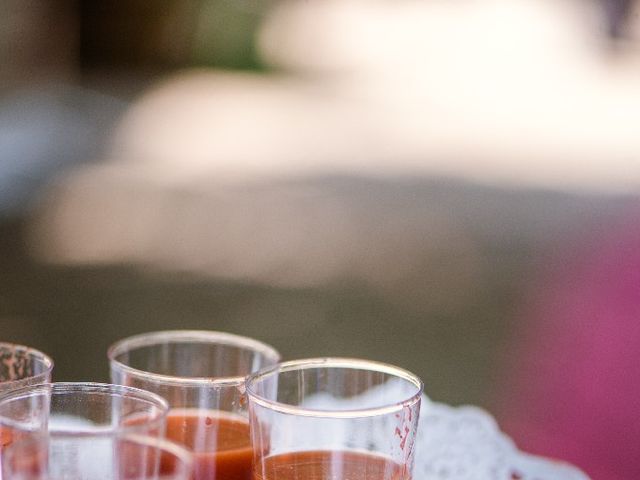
(574, 388)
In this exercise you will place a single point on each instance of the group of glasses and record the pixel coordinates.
(207, 405)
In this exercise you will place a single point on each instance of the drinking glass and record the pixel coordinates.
(21, 366)
(87, 456)
(80, 409)
(202, 376)
(333, 419)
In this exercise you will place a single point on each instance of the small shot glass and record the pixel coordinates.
(333, 419)
(21, 366)
(116, 456)
(80, 409)
(202, 375)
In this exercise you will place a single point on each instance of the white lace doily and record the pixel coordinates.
(461, 443)
(465, 443)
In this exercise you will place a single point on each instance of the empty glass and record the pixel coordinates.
(202, 376)
(117, 456)
(333, 419)
(21, 366)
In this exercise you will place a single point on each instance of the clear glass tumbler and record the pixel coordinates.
(89, 411)
(21, 366)
(202, 375)
(333, 419)
(80, 408)
(117, 456)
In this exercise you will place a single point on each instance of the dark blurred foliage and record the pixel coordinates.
(169, 33)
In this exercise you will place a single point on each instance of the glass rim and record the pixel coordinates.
(196, 336)
(181, 453)
(334, 362)
(79, 388)
(42, 357)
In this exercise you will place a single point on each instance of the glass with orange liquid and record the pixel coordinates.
(20, 366)
(201, 374)
(333, 419)
(87, 456)
(87, 414)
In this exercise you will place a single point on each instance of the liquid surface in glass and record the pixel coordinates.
(220, 442)
(330, 465)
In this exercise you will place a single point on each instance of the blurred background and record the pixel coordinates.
(450, 186)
